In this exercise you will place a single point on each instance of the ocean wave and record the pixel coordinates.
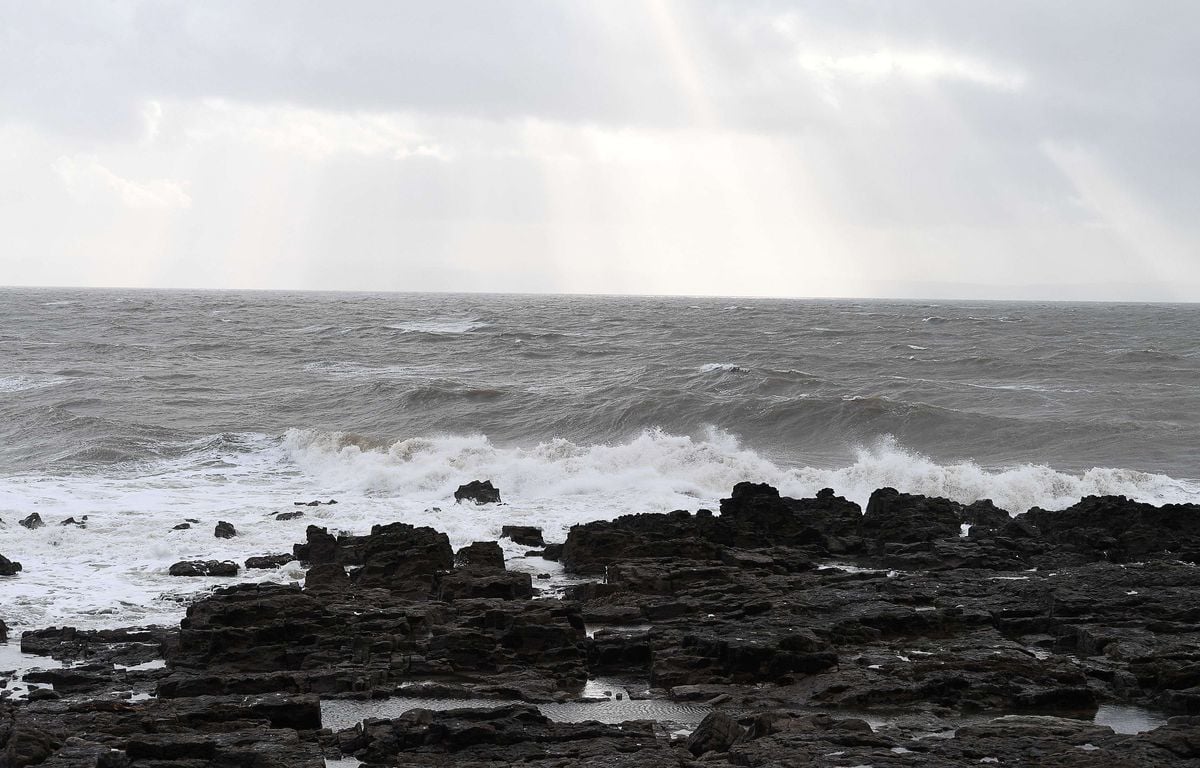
(338, 369)
(439, 326)
(27, 382)
(657, 471)
(1144, 356)
(114, 573)
(723, 367)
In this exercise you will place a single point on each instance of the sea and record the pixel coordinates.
(143, 409)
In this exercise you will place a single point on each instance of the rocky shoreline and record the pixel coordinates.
(779, 632)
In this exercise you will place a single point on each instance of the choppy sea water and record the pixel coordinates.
(141, 409)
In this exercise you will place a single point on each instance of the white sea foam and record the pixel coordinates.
(113, 572)
(727, 367)
(439, 325)
(656, 470)
(26, 382)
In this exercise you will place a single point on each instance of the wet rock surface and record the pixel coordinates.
(525, 535)
(269, 561)
(204, 568)
(791, 632)
(8, 567)
(478, 491)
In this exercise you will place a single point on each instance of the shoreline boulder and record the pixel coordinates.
(480, 554)
(525, 535)
(8, 567)
(269, 561)
(204, 568)
(480, 492)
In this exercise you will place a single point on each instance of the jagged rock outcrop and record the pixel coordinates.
(480, 492)
(525, 535)
(480, 554)
(269, 561)
(9, 567)
(204, 568)
(1004, 641)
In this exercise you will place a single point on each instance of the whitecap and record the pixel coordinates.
(440, 326)
(727, 367)
(26, 382)
(114, 572)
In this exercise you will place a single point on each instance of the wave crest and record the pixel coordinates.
(656, 471)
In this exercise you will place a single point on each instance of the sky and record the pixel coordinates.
(1008, 150)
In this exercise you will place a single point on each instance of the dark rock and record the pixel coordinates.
(27, 744)
(399, 557)
(3, 632)
(289, 515)
(8, 567)
(43, 694)
(717, 732)
(225, 530)
(120, 646)
(258, 747)
(182, 527)
(984, 514)
(744, 610)
(525, 535)
(901, 518)
(204, 568)
(113, 758)
(269, 561)
(591, 547)
(264, 637)
(484, 583)
(745, 490)
(34, 520)
(480, 554)
(552, 552)
(320, 547)
(480, 492)
(1119, 530)
(741, 656)
(326, 576)
(1180, 737)
(508, 735)
(827, 523)
(81, 523)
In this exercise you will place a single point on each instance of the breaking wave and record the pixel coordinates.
(656, 471)
(439, 326)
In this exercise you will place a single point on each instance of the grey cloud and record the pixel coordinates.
(951, 164)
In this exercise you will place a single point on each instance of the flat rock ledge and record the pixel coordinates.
(780, 632)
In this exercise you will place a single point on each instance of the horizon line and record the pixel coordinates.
(631, 295)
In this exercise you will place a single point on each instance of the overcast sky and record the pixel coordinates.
(940, 149)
